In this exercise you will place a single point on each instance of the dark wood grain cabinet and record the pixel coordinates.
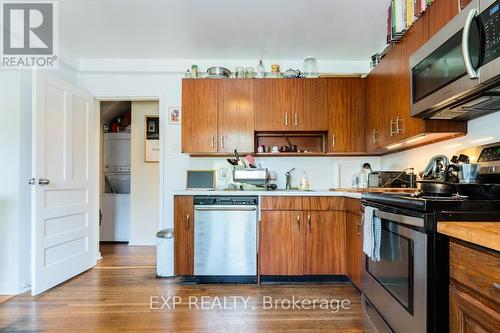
(387, 93)
(183, 235)
(218, 116)
(343, 102)
(281, 242)
(474, 293)
(199, 116)
(301, 242)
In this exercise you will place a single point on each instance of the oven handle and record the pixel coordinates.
(399, 218)
(226, 208)
(465, 44)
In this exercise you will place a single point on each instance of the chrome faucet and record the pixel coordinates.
(288, 176)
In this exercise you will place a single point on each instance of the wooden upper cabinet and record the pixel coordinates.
(324, 242)
(272, 105)
(183, 235)
(288, 105)
(236, 115)
(281, 244)
(342, 100)
(199, 119)
(306, 113)
(388, 90)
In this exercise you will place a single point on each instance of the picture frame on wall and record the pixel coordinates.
(174, 115)
(152, 139)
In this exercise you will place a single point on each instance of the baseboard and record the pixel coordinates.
(13, 289)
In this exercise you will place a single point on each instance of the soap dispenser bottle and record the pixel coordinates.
(304, 182)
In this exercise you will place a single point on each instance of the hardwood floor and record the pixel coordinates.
(116, 295)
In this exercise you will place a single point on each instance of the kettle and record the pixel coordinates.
(436, 168)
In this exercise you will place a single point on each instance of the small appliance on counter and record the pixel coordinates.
(391, 179)
(200, 180)
(253, 178)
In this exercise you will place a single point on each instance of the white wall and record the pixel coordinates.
(15, 168)
(145, 180)
(480, 131)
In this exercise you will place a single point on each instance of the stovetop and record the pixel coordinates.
(488, 208)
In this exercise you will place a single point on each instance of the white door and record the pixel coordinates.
(64, 191)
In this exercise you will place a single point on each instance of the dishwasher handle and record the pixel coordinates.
(226, 208)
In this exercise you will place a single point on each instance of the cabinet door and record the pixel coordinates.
(343, 101)
(199, 115)
(281, 243)
(236, 115)
(272, 105)
(324, 242)
(306, 111)
(183, 235)
(354, 252)
(469, 315)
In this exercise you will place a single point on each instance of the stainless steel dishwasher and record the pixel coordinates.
(225, 238)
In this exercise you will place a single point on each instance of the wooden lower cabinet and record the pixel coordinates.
(469, 315)
(324, 243)
(354, 247)
(281, 249)
(302, 243)
(474, 293)
(183, 235)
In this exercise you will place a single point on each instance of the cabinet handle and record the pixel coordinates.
(298, 221)
(286, 119)
(393, 124)
(358, 227)
(496, 285)
(296, 120)
(375, 137)
(333, 140)
(222, 141)
(213, 141)
(188, 217)
(309, 221)
(399, 129)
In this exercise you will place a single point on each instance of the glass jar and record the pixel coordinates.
(249, 73)
(310, 67)
(240, 72)
(275, 71)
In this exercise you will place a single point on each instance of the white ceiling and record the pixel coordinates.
(223, 29)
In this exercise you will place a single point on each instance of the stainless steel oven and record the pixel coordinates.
(456, 74)
(396, 285)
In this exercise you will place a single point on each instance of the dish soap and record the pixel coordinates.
(304, 182)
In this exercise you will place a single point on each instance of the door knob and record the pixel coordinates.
(43, 181)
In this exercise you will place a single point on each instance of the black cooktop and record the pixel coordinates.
(447, 207)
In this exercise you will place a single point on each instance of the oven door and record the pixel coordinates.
(397, 284)
(445, 67)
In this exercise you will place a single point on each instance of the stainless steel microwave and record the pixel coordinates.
(456, 74)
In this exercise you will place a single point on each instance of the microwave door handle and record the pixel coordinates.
(465, 44)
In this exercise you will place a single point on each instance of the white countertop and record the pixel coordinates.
(292, 193)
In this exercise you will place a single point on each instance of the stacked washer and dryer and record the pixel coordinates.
(115, 197)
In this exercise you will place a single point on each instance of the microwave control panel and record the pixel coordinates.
(490, 19)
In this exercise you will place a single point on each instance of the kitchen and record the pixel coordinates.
(270, 181)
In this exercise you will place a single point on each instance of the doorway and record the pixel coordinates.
(129, 172)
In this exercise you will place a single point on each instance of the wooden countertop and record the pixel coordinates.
(485, 234)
